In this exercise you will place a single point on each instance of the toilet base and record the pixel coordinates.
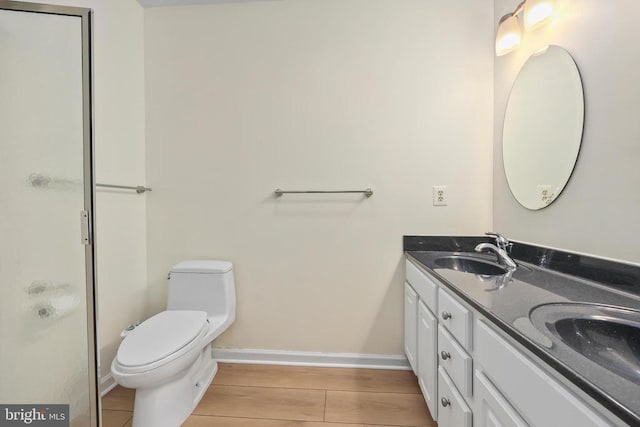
(170, 404)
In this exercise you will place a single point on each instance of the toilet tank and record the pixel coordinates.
(204, 285)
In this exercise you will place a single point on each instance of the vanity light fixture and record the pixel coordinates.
(509, 35)
(537, 13)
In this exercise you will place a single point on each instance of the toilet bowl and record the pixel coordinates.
(167, 358)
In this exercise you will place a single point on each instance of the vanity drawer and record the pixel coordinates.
(455, 317)
(424, 285)
(453, 410)
(455, 361)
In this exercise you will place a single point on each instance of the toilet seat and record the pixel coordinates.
(161, 339)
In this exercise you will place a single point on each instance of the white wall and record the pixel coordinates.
(598, 211)
(303, 94)
(120, 159)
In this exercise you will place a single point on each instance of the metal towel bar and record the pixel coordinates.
(139, 188)
(368, 192)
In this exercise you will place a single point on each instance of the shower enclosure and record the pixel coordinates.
(47, 275)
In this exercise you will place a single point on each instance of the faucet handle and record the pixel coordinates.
(501, 241)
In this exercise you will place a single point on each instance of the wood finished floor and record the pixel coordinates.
(290, 396)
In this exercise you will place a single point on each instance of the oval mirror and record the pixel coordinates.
(543, 127)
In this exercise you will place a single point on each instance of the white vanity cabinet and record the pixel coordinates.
(438, 358)
(473, 375)
(421, 332)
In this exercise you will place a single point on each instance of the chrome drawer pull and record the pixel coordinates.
(445, 355)
(445, 402)
(446, 315)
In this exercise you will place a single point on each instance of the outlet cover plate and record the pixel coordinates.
(439, 195)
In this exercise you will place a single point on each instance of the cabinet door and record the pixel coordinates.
(539, 399)
(427, 354)
(491, 409)
(410, 326)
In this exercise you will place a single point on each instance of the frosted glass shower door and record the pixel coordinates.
(47, 321)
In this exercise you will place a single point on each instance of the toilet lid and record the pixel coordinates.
(160, 336)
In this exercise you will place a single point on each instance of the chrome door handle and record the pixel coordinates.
(446, 315)
(445, 355)
(445, 402)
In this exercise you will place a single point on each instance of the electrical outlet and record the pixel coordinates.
(546, 195)
(439, 195)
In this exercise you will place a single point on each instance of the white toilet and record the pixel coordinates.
(167, 359)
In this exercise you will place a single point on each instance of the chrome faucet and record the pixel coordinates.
(500, 249)
(501, 241)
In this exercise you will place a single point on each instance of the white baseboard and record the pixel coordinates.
(107, 383)
(305, 358)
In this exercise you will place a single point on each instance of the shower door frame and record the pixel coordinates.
(86, 16)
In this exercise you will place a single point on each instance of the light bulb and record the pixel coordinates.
(508, 36)
(537, 13)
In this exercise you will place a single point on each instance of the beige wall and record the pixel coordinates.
(120, 159)
(598, 211)
(301, 94)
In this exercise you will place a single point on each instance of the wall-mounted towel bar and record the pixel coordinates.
(368, 192)
(139, 188)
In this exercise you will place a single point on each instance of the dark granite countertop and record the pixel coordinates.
(508, 300)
